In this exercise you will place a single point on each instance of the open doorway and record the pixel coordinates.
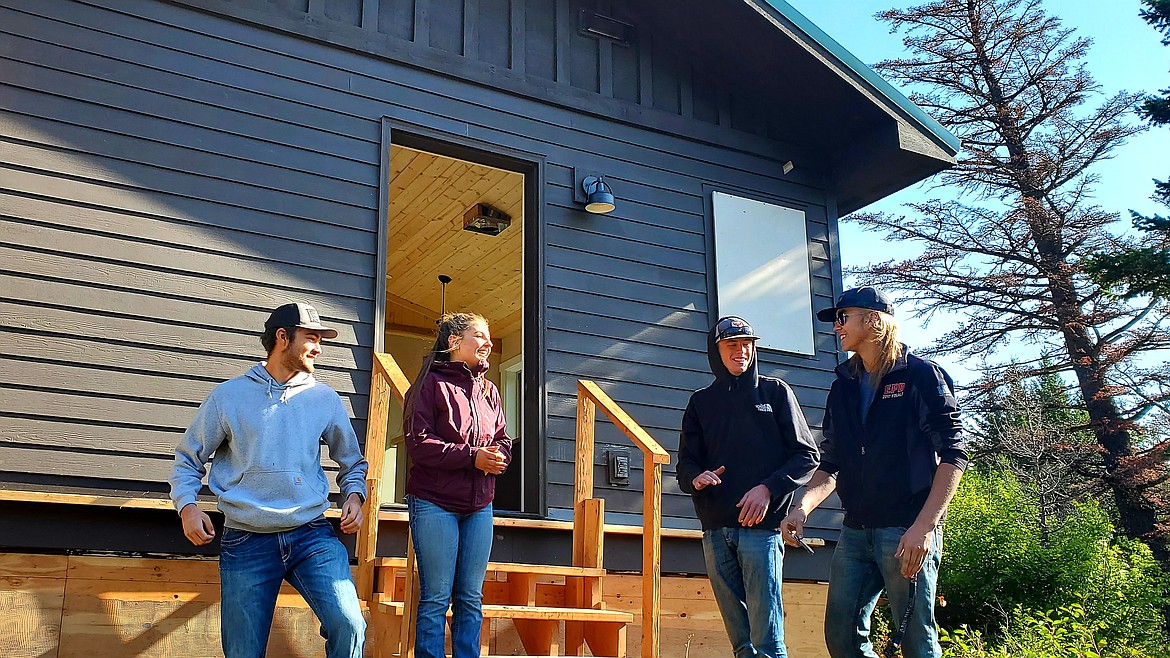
(455, 218)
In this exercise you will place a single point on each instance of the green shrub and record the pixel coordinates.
(1065, 633)
(1000, 558)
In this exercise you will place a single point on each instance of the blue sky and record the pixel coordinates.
(1127, 54)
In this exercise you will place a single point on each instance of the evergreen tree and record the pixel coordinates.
(1032, 429)
(1006, 252)
(1145, 270)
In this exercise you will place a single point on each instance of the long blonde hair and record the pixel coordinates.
(450, 324)
(890, 348)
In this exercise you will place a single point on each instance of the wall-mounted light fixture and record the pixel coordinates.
(482, 218)
(598, 195)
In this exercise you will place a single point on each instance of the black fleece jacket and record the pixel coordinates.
(885, 464)
(754, 428)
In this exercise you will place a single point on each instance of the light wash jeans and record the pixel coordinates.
(863, 565)
(252, 566)
(451, 551)
(745, 567)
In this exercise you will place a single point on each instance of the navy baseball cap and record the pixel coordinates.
(864, 297)
(299, 315)
(733, 327)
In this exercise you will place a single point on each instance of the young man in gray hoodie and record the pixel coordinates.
(265, 430)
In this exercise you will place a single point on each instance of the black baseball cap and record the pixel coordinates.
(733, 327)
(299, 315)
(863, 297)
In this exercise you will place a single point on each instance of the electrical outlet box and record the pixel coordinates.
(618, 467)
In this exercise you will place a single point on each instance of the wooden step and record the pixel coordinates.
(496, 611)
(511, 567)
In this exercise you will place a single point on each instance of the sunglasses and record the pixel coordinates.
(841, 318)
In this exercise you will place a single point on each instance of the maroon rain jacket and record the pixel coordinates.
(457, 411)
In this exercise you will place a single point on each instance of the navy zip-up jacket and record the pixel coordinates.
(457, 412)
(885, 464)
(752, 426)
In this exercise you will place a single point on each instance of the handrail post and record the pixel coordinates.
(386, 381)
(583, 473)
(367, 544)
(651, 557)
(590, 396)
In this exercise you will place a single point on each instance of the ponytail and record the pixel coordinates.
(450, 324)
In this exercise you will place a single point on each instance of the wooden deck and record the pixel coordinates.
(56, 606)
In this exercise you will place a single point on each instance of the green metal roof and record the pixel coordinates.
(876, 82)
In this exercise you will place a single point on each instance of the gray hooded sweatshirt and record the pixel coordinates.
(266, 439)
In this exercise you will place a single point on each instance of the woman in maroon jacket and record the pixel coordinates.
(454, 428)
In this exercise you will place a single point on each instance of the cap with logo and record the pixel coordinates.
(299, 315)
(733, 327)
(863, 297)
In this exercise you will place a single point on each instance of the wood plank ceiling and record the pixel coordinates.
(429, 195)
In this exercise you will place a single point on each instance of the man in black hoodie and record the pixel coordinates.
(745, 447)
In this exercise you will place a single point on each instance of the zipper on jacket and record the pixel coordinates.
(474, 416)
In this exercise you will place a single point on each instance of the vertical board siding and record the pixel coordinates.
(165, 190)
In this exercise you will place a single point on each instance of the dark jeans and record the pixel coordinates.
(252, 566)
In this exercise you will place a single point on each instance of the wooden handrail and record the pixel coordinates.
(589, 397)
(387, 380)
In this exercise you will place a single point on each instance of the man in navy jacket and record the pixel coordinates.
(745, 447)
(894, 452)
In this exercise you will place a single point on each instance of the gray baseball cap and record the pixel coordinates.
(299, 315)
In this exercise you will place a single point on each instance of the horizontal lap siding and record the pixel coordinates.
(169, 176)
(156, 204)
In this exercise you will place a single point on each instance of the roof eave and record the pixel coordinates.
(786, 18)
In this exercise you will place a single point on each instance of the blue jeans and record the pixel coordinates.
(863, 565)
(451, 551)
(252, 566)
(745, 566)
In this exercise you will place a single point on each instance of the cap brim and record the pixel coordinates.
(752, 337)
(325, 332)
(827, 314)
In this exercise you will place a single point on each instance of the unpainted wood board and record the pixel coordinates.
(165, 572)
(130, 618)
(429, 196)
(175, 207)
(180, 234)
(30, 565)
(30, 614)
(115, 143)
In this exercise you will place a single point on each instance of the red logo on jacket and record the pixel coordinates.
(894, 391)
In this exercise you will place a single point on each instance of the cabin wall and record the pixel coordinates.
(168, 175)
